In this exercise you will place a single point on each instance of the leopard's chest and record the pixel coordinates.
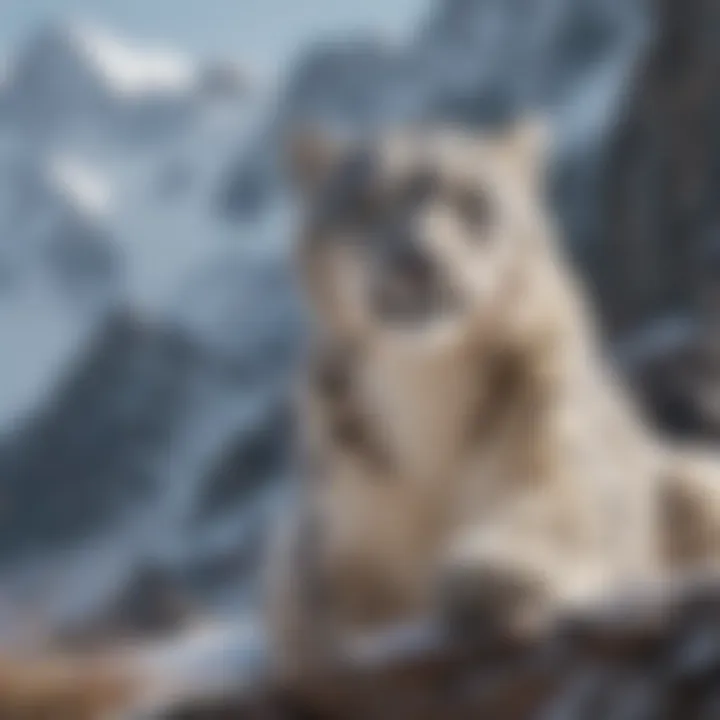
(420, 411)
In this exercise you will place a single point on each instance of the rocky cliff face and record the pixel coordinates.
(661, 176)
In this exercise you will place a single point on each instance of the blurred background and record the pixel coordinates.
(148, 321)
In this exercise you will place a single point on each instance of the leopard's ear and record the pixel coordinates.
(526, 144)
(310, 155)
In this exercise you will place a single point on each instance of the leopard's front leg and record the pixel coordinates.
(511, 575)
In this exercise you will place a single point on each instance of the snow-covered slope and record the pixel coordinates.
(122, 219)
(59, 273)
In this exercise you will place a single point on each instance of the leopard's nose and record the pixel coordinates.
(405, 281)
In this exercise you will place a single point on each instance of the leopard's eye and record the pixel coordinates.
(475, 209)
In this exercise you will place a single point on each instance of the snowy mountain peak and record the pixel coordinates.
(131, 68)
(72, 74)
(122, 67)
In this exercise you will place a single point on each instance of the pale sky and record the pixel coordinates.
(263, 33)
